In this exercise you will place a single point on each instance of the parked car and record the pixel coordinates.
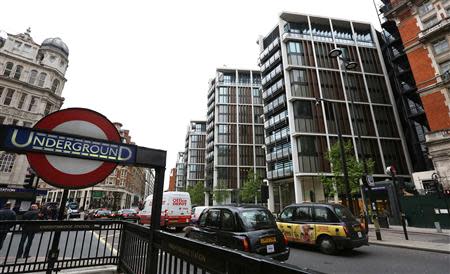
(196, 212)
(126, 214)
(72, 210)
(101, 213)
(249, 228)
(331, 227)
(175, 210)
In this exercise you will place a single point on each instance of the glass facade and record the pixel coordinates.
(308, 72)
(235, 129)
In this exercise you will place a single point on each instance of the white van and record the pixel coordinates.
(175, 210)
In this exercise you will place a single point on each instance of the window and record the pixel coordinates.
(445, 67)
(2, 120)
(27, 124)
(41, 81)
(213, 218)
(1, 92)
(55, 85)
(15, 122)
(323, 214)
(303, 214)
(441, 46)
(430, 22)
(255, 219)
(22, 100)
(425, 8)
(33, 76)
(7, 162)
(227, 220)
(18, 72)
(8, 98)
(33, 104)
(8, 69)
(48, 108)
(287, 214)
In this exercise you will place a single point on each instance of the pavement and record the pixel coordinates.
(426, 239)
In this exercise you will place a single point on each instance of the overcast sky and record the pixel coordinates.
(147, 63)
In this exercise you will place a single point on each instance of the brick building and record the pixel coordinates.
(423, 43)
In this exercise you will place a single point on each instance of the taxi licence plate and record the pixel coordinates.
(270, 249)
(268, 240)
(359, 234)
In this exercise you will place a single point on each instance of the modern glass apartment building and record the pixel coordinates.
(296, 69)
(235, 130)
(180, 179)
(194, 154)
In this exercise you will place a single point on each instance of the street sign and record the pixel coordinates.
(370, 180)
(71, 148)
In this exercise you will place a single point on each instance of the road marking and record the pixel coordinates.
(114, 251)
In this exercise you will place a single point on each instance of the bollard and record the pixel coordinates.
(437, 225)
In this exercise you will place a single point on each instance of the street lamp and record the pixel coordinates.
(350, 65)
(342, 152)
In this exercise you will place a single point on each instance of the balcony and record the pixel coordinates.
(277, 121)
(305, 35)
(278, 136)
(266, 53)
(391, 8)
(433, 31)
(273, 90)
(271, 62)
(211, 108)
(275, 105)
(279, 154)
(273, 75)
(279, 173)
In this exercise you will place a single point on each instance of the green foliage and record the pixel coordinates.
(252, 185)
(355, 170)
(221, 193)
(197, 193)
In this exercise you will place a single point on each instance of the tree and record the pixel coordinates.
(197, 193)
(221, 193)
(252, 185)
(355, 170)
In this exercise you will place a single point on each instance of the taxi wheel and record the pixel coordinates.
(327, 245)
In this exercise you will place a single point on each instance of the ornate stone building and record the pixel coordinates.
(32, 78)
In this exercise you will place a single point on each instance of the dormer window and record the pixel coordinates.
(8, 69)
(18, 72)
(52, 58)
(55, 85)
(40, 57)
(33, 76)
(41, 81)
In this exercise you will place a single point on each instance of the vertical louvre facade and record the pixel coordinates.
(298, 131)
(234, 131)
(194, 154)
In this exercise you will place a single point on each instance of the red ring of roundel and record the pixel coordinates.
(51, 175)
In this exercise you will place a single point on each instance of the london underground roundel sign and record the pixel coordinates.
(83, 170)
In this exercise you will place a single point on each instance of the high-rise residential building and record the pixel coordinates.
(418, 38)
(235, 130)
(296, 69)
(180, 180)
(125, 187)
(194, 154)
(32, 78)
(149, 182)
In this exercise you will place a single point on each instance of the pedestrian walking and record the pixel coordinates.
(27, 231)
(6, 214)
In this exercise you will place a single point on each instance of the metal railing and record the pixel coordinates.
(126, 245)
(27, 245)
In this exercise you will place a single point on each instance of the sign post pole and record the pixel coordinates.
(155, 222)
(54, 251)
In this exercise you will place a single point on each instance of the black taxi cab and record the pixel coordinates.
(248, 228)
(331, 227)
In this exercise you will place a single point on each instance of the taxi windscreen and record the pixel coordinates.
(255, 219)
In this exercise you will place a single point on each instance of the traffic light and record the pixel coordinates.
(264, 193)
(29, 180)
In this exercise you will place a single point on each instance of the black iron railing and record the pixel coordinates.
(127, 245)
(27, 245)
